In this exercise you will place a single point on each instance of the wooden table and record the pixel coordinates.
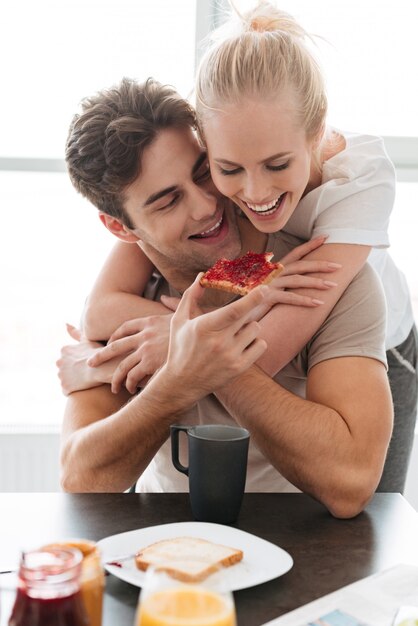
(327, 553)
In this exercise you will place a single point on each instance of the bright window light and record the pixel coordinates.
(369, 57)
(56, 53)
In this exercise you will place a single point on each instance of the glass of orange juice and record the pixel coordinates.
(165, 601)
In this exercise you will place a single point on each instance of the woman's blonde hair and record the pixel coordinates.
(261, 53)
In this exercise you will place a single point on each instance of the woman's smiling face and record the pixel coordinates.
(260, 158)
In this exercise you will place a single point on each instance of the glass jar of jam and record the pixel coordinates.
(92, 577)
(48, 592)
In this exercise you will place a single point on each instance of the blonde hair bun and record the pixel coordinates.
(265, 17)
(261, 52)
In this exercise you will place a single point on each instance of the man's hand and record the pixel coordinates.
(141, 345)
(207, 350)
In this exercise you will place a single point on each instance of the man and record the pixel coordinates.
(322, 425)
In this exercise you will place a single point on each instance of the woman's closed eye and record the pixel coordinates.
(225, 172)
(271, 168)
(278, 168)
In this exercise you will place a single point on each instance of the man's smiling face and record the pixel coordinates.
(178, 215)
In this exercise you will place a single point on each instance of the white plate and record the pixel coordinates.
(262, 560)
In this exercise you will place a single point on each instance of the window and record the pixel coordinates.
(368, 51)
(60, 52)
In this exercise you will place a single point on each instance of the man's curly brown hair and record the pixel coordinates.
(107, 139)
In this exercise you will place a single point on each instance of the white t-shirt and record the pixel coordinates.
(353, 205)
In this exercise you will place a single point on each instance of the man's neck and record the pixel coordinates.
(180, 279)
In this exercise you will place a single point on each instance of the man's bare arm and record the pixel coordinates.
(105, 447)
(97, 430)
(331, 445)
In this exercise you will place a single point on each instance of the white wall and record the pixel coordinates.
(29, 462)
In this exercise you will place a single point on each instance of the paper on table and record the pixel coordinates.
(374, 600)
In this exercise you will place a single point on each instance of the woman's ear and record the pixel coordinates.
(117, 228)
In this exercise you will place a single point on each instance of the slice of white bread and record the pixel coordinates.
(189, 559)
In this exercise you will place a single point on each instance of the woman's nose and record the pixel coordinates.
(256, 189)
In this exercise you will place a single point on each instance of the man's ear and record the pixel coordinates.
(117, 228)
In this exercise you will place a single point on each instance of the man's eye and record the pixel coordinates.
(278, 168)
(172, 202)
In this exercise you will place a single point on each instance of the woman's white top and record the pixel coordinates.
(353, 205)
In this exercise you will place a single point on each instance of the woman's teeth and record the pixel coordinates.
(266, 209)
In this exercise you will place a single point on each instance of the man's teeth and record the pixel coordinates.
(261, 208)
(207, 232)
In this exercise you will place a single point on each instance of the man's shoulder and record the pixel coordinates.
(366, 285)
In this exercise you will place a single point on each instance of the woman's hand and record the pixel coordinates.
(73, 369)
(140, 346)
(295, 275)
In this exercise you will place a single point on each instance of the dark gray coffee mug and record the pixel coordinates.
(217, 469)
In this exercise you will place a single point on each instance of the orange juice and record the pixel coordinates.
(186, 606)
(92, 577)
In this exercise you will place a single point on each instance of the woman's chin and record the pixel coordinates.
(265, 224)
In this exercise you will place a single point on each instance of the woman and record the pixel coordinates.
(261, 108)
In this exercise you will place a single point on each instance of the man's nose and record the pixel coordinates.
(203, 202)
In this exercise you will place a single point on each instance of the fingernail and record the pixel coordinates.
(334, 265)
(317, 302)
(329, 283)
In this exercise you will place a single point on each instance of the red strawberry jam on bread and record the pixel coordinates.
(241, 275)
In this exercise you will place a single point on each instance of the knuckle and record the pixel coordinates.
(111, 348)
(121, 370)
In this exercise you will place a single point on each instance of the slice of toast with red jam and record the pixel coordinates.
(241, 275)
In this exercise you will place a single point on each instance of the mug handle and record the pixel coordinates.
(175, 431)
